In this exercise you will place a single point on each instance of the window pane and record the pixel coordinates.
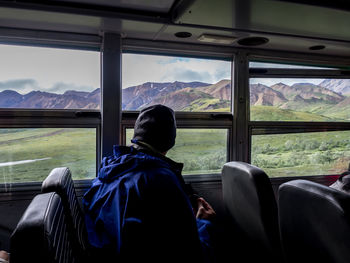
(277, 99)
(28, 155)
(316, 153)
(202, 151)
(182, 83)
(49, 78)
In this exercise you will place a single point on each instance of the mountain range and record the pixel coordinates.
(329, 98)
(45, 100)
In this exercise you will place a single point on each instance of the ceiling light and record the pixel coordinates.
(183, 34)
(217, 39)
(253, 41)
(317, 47)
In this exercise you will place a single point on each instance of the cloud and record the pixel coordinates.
(287, 81)
(61, 87)
(191, 75)
(138, 69)
(22, 86)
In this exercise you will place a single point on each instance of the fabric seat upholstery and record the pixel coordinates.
(314, 222)
(41, 234)
(60, 181)
(250, 200)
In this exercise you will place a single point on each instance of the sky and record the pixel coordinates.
(25, 69)
(138, 69)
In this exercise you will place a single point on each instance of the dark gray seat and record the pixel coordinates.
(249, 199)
(42, 234)
(314, 222)
(60, 181)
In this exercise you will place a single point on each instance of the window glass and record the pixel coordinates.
(301, 154)
(49, 78)
(203, 151)
(181, 83)
(28, 155)
(283, 99)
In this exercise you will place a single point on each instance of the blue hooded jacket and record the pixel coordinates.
(137, 208)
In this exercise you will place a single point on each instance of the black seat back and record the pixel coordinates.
(60, 181)
(41, 234)
(314, 222)
(249, 199)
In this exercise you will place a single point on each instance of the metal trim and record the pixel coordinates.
(261, 128)
(303, 59)
(298, 73)
(171, 48)
(188, 119)
(241, 109)
(111, 92)
(88, 10)
(50, 39)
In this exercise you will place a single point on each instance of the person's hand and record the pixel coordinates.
(205, 211)
(4, 255)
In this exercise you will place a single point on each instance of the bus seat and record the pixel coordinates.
(314, 222)
(41, 235)
(250, 200)
(60, 181)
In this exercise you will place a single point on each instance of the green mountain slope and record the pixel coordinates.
(341, 111)
(209, 104)
(268, 113)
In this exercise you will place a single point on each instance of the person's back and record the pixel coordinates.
(137, 208)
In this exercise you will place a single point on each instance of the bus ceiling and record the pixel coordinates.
(314, 27)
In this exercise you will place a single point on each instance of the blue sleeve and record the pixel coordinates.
(204, 228)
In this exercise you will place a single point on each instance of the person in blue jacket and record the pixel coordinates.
(138, 209)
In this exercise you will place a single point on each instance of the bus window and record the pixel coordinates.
(299, 120)
(302, 154)
(181, 83)
(49, 78)
(41, 89)
(295, 99)
(28, 155)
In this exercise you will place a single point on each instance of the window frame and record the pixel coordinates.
(50, 118)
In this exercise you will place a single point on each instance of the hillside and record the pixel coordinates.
(341, 86)
(136, 97)
(264, 95)
(46, 100)
(266, 113)
(220, 90)
(300, 101)
(180, 99)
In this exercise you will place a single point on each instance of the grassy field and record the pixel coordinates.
(302, 154)
(41, 150)
(201, 150)
(74, 148)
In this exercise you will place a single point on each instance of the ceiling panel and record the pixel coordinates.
(268, 16)
(161, 6)
(49, 21)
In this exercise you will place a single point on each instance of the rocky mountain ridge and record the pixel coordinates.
(190, 96)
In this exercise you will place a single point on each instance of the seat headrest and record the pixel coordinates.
(41, 233)
(249, 198)
(314, 222)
